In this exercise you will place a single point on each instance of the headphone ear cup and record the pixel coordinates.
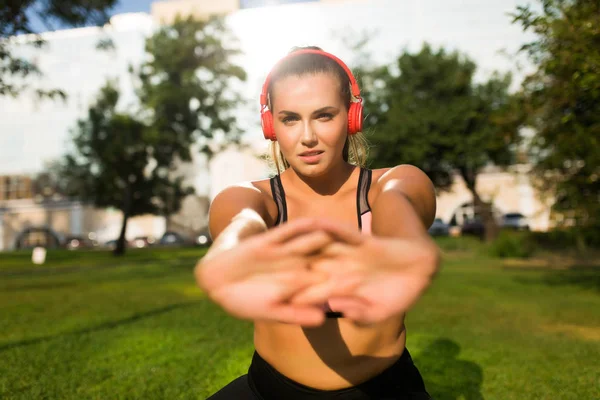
(355, 118)
(267, 125)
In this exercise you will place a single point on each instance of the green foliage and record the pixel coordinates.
(111, 165)
(568, 238)
(187, 86)
(459, 244)
(432, 114)
(563, 102)
(186, 98)
(428, 111)
(15, 19)
(511, 244)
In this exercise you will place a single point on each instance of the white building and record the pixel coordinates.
(32, 133)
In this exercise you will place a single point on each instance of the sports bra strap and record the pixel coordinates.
(362, 194)
(279, 198)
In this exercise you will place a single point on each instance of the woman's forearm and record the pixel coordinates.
(246, 223)
(394, 216)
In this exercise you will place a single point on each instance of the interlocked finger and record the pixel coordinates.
(319, 293)
(292, 281)
(353, 308)
(307, 244)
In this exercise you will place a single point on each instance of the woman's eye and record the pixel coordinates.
(325, 116)
(289, 119)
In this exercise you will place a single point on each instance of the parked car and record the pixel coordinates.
(112, 244)
(473, 227)
(515, 221)
(78, 242)
(33, 237)
(439, 228)
(171, 238)
(141, 242)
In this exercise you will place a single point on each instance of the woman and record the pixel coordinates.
(327, 256)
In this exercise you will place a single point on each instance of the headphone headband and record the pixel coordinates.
(354, 85)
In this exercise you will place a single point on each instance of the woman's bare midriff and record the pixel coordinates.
(336, 355)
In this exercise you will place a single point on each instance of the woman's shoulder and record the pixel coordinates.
(254, 194)
(383, 175)
(411, 175)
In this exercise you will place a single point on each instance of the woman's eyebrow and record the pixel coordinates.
(327, 108)
(320, 110)
(287, 112)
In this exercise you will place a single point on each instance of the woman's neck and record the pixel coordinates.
(325, 185)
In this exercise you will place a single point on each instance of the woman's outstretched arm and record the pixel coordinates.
(375, 277)
(405, 203)
(251, 272)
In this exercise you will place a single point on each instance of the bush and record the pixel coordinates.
(510, 244)
(567, 238)
(458, 244)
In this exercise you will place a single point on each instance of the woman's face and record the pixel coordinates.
(311, 121)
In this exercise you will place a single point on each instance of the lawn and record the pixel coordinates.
(87, 327)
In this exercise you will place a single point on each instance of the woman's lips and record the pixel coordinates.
(311, 157)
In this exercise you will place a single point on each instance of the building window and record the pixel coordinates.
(15, 187)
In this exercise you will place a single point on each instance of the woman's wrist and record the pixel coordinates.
(245, 224)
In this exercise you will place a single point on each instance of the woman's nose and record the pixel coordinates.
(309, 137)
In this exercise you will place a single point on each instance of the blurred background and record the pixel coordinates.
(121, 120)
(182, 78)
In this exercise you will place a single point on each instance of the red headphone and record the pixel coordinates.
(355, 112)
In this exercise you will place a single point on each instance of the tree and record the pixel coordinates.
(563, 103)
(15, 19)
(113, 164)
(186, 98)
(186, 86)
(432, 114)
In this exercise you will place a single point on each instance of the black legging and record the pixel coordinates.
(399, 382)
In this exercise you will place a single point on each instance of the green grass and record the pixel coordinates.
(87, 327)
(20, 261)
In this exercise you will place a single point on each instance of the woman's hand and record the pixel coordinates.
(256, 278)
(371, 278)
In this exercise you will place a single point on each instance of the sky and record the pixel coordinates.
(32, 134)
(123, 6)
(134, 6)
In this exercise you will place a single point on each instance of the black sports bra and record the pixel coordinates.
(363, 209)
(363, 212)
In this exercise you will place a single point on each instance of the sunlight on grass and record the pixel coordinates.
(140, 328)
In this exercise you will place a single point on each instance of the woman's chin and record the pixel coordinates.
(310, 170)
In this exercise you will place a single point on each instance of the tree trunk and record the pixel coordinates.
(482, 208)
(120, 247)
(487, 217)
(580, 243)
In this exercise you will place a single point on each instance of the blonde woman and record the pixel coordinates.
(327, 256)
